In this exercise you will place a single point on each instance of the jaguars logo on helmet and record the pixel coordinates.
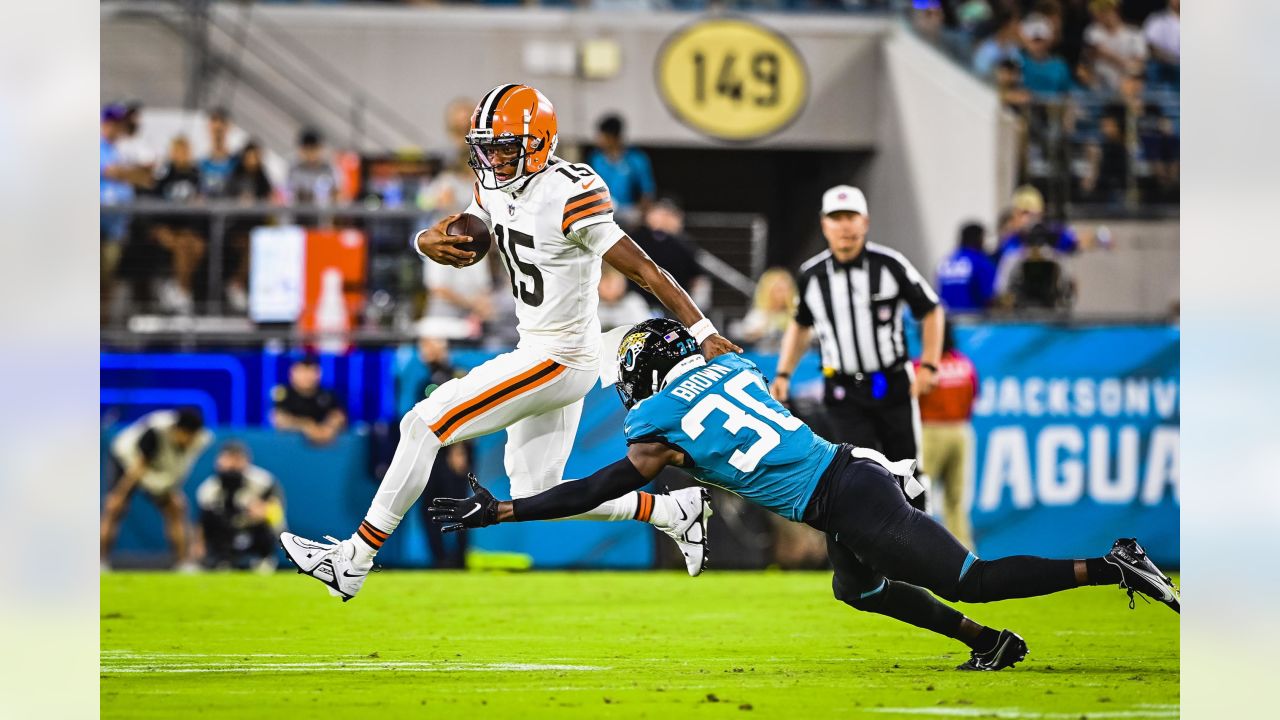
(647, 354)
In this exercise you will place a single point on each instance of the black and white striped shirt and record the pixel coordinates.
(856, 308)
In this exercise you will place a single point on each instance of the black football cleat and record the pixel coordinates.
(1139, 574)
(1010, 649)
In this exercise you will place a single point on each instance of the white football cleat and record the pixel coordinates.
(332, 564)
(690, 509)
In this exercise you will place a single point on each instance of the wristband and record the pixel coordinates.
(782, 375)
(930, 366)
(702, 330)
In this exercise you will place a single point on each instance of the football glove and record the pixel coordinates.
(479, 510)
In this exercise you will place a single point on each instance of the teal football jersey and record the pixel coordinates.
(735, 435)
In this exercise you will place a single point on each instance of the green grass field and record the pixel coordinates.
(592, 645)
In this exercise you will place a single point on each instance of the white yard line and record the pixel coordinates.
(1161, 711)
(152, 667)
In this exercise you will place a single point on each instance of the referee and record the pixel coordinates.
(852, 295)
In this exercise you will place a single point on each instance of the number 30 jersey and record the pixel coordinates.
(734, 435)
(550, 236)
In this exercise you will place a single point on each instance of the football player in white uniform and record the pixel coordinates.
(552, 222)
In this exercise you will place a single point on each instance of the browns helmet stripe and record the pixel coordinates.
(495, 99)
(478, 115)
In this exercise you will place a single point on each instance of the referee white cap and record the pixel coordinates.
(844, 197)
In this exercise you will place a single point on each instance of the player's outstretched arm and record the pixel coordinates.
(643, 463)
(629, 259)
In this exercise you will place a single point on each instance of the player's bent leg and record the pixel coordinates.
(490, 397)
(859, 586)
(173, 510)
(909, 545)
(113, 510)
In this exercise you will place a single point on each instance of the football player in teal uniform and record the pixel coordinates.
(716, 420)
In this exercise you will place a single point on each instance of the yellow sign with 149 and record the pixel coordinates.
(732, 79)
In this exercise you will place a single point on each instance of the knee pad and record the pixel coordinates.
(868, 600)
(413, 427)
(968, 587)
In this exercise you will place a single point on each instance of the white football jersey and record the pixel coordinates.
(541, 235)
(167, 467)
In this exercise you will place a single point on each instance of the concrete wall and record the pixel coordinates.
(417, 59)
(939, 161)
(1138, 274)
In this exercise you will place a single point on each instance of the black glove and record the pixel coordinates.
(479, 510)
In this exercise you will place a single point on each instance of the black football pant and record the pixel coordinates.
(884, 551)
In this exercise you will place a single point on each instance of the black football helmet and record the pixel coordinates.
(647, 354)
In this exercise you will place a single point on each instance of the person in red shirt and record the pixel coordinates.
(947, 435)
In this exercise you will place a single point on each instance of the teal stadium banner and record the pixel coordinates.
(1077, 439)
(1076, 430)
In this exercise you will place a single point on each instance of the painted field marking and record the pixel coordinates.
(155, 665)
(1016, 714)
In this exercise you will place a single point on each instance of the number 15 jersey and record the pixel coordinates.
(734, 435)
(550, 236)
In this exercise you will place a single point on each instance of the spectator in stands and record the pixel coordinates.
(117, 181)
(1027, 211)
(430, 368)
(311, 179)
(966, 277)
(1107, 179)
(625, 170)
(154, 453)
(248, 181)
(1071, 17)
(1112, 49)
(947, 436)
(619, 304)
(662, 238)
(216, 168)
(241, 512)
(1043, 72)
(179, 182)
(248, 184)
(180, 237)
(928, 19)
(461, 298)
(1008, 78)
(134, 148)
(1005, 44)
(303, 405)
(771, 311)
(1162, 31)
(449, 191)
(1034, 276)
(457, 123)
(1157, 140)
(973, 16)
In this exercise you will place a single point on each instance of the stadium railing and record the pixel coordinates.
(731, 247)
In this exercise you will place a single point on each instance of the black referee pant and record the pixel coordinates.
(871, 412)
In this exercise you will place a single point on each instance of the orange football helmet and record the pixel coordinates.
(513, 134)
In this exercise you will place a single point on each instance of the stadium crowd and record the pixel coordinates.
(1095, 84)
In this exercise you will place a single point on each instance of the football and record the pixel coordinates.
(477, 229)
